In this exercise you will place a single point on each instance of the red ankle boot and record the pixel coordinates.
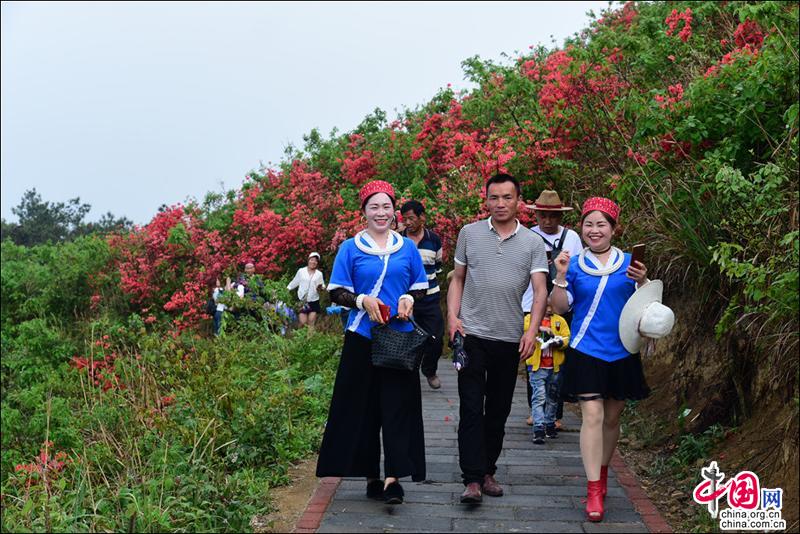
(594, 500)
(604, 478)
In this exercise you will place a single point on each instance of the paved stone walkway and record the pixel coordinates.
(544, 484)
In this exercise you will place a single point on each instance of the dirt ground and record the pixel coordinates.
(766, 442)
(289, 501)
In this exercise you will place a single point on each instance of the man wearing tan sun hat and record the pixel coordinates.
(549, 213)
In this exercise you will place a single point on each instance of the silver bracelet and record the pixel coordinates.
(562, 286)
(360, 301)
(405, 296)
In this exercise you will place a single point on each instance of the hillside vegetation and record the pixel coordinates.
(121, 412)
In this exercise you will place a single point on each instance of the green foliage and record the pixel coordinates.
(167, 433)
(765, 269)
(694, 447)
(722, 208)
(42, 222)
(193, 441)
(54, 280)
(695, 136)
(257, 311)
(217, 210)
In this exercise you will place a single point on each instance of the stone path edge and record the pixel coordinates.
(312, 516)
(652, 518)
(317, 505)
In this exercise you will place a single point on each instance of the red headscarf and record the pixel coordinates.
(605, 205)
(377, 186)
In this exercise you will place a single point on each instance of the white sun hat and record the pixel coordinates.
(644, 316)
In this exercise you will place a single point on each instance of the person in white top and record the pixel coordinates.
(308, 281)
(549, 214)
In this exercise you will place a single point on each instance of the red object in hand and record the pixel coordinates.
(386, 312)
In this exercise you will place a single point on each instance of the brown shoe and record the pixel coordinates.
(434, 382)
(491, 487)
(472, 495)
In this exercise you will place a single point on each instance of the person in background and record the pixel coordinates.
(378, 267)
(544, 374)
(244, 282)
(249, 285)
(308, 281)
(427, 311)
(219, 308)
(285, 313)
(550, 212)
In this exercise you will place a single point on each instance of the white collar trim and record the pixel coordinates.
(367, 245)
(615, 262)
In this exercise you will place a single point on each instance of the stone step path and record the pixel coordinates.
(544, 484)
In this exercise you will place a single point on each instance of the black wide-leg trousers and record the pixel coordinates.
(366, 401)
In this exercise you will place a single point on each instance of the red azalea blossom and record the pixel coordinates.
(640, 159)
(621, 18)
(45, 468)
(675, 18)
(748, 33)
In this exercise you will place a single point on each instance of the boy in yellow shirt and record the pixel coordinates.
(545, 378)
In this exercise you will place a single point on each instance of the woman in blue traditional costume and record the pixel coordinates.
(376, 267)
(599, 371)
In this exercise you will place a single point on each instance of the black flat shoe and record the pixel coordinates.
(375, 489)
(393, 494)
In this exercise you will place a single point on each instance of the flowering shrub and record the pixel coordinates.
(205, 427)
(45, 469)
(748, 33)
(685, 113)
(617, 100)
(674, 20)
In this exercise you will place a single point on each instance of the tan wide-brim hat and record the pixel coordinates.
(643, 317)
(548, 201)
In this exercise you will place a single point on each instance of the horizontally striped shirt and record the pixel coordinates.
(498, 272)
(430, 249)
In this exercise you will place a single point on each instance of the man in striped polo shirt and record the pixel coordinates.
(495, 261)
(427, 311)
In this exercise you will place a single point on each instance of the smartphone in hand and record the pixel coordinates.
(637, 253)
(386, 312)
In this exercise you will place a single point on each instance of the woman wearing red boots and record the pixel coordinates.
(599, 371)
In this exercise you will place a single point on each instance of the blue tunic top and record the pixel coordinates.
(360, 272)
(595, 329)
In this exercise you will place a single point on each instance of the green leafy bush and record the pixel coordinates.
(192, 438)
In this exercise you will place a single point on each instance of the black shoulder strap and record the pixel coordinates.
(561, 241)
(546, 242)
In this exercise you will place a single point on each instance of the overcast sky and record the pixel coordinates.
(134, 105)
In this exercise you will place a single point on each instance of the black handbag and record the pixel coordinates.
(402, 351)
